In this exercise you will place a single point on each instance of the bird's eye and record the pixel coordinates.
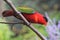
(46, 19)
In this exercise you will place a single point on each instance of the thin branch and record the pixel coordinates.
(27, 23)
(12, 23)
(49, 19)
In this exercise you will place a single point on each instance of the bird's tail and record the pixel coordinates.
(7, 13)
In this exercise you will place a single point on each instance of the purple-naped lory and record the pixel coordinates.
(30, 14)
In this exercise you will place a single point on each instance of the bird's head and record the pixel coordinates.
(46, 20)
(43, 20)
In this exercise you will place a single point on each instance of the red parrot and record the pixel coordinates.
(30, 14)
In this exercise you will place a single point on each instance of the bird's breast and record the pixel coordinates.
(31, 17)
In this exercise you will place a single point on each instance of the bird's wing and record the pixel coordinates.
(26, 10)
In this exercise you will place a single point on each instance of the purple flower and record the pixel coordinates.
(53, 29)
(53, 32)
(59, 24)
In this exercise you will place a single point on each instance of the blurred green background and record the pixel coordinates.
(25, 33)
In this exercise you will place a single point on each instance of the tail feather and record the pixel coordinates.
(7, 13)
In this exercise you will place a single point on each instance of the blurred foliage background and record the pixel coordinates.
(42, 6)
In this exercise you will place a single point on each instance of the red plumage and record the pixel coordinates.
(36, 17)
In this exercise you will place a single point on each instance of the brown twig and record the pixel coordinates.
(27, 23)
(12, 22)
